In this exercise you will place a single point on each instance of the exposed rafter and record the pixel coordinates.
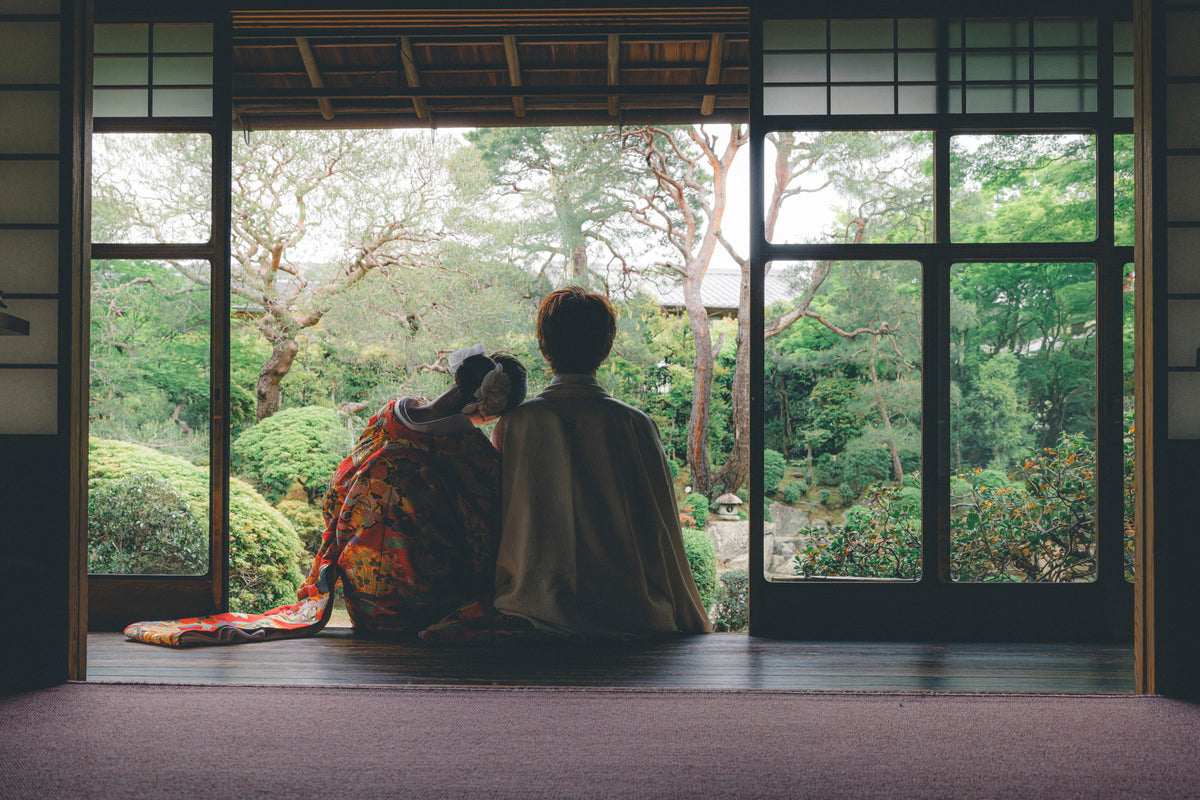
(514, 73)
(716, 52)
(412, 76)
(614, 72)
(314, 75)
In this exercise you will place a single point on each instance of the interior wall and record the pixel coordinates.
(39, 217)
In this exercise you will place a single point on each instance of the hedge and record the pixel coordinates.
(266, 557)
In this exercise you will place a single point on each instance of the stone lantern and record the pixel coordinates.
(727, 506)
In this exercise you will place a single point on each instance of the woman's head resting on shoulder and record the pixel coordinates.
(487, 386)
(575, 330)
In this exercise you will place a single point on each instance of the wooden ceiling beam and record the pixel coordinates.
(716, 53)
(614, 73)
(314, 75)
(412, 76)
(514, 72)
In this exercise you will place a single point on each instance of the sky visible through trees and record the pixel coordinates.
(362, 258)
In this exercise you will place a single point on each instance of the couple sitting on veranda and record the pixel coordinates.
(564, 524)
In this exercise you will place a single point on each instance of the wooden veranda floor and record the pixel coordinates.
(718, 661)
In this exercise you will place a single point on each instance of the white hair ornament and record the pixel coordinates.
(455, 359)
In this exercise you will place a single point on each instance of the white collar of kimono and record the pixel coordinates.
(455, 423)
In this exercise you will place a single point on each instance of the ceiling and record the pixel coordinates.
(313, 69)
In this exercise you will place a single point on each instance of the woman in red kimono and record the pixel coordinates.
(411, 519)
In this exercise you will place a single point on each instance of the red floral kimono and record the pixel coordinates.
(411, 531)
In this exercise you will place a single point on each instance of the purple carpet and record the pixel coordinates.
(134, 741)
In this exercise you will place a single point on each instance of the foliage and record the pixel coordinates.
(794, 492)
(731, 612)
(299, 445)
(307, 520)
(265, 552)
(1038, 525)
(698, 508)
(149, 357)
(702, 558)
(141, 525)
(774, 467)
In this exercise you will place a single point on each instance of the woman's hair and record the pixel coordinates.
(575, 330)
(470, 374)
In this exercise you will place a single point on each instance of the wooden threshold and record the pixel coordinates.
(718, 661)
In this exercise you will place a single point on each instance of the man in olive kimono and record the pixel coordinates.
(590, 541)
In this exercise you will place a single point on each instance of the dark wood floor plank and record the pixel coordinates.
(718, 661)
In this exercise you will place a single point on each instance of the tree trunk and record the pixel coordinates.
(735, 472)
(697, 441)
(579, 260)
(274, 370)
(887, 417)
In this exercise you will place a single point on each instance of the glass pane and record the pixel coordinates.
(1023, 188)
(185, 70)
(997, 33)
(170, 38)
(182, 102)
(1123, 103)
(151, 187)
(842, 406)
(1130, 355)
(862, 100)
(917, 33)
(794, 34)
(861, 34)
(918, 66)
(917, 100)
(120, 103)
(997, 99)
(121, 38)
(1123, 189)
(854, 67)
(996, 67)
(1123, 70)
(1065, 99)
(1022, 422)
(794, 67)
(1123, 37)
(1057, 66)
(849, 186)
(121, 71)
(1064, 32)
(148, 455)
(794, 100)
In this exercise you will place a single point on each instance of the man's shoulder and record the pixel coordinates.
(603, 406)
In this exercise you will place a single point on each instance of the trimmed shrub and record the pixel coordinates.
(702, 558)
(297, 446)
(794, 492)
(774, 466)
(265, 552)
(140, 525)
(732, 609)
(698, 504)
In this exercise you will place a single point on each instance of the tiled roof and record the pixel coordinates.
(721, 289)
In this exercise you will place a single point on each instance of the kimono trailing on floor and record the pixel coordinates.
(411, 532)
